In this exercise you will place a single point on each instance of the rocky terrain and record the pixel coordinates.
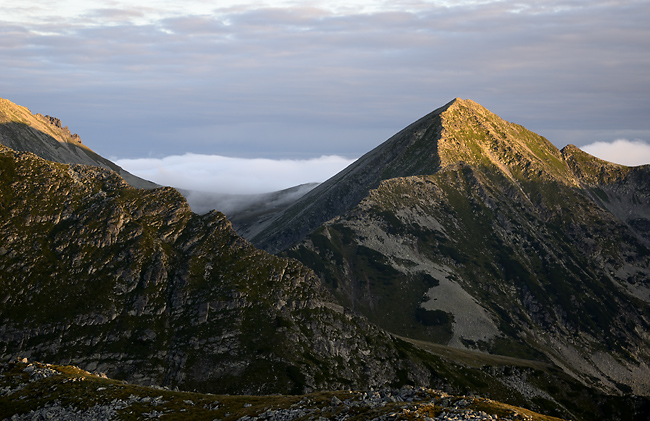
(32, 390)
(131, 282)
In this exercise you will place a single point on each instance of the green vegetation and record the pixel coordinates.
(133, 281)
(505, 217)
(385, 295)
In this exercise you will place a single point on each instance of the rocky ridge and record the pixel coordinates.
(32, 390)
(132, 283)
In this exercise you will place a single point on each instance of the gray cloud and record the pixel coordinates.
(306, 81)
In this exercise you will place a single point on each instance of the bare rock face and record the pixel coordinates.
(132, 283)
(64, 129)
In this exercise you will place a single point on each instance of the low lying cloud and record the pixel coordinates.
(220, 174)
(621, 151)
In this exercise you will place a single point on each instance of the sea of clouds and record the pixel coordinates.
(221, 174)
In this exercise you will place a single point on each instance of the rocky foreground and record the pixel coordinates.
(37, 391)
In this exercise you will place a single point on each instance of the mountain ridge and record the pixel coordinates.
(45, 136)
(131, 282)
(366, 172)
(461, 131)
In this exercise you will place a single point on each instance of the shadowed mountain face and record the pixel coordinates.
(407, 153)
(44, 136)
(132, 283)
(480, 234)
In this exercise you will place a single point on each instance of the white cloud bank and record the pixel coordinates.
(220, 174)
(621, 151)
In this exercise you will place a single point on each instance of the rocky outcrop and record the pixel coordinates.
(57, 123)
(32, 390)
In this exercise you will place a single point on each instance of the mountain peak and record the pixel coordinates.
(458, 104)
(474, 135)
(460, 132)
(464, 103)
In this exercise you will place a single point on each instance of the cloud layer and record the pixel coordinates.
(298, 79)
(219, 174)
(621, 151)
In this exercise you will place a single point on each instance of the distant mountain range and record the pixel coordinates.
(465, 253)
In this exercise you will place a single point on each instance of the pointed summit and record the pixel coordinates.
(501, 244)
(461, 132)
(474, 135)
(412, 151)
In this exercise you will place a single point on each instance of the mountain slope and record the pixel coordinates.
(444, 137)
(491, 239)
(131, 282)
(406, 153)
(44, 136)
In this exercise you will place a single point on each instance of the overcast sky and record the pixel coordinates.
(300, 80)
